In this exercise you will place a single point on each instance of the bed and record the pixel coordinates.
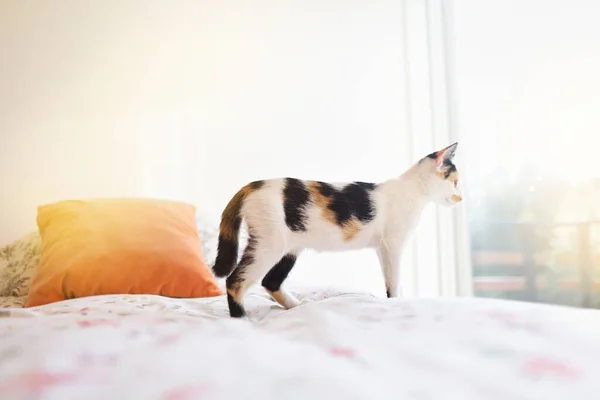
(336, 344)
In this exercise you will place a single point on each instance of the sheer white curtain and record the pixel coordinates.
(327, 90)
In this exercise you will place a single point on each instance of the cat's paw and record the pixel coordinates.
(285, 299)
(290, 302)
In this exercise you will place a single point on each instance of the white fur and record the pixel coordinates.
(398, 205)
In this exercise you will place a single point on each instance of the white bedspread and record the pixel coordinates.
(333, 346)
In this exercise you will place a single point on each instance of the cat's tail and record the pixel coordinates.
(229, 231)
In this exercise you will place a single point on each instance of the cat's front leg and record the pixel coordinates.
(389, 258)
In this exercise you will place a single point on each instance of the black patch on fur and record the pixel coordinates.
(246, 260)
(366, 185)
(433, 155)
(448, 166)
(353, 200)
(236, 310)
(387, 292)
(296, 197)
(235, 280)
(257, 184)
(326, 189)
(227, 253)
(276, 275)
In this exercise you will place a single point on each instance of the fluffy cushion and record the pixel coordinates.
(119, 246)
(18, 261)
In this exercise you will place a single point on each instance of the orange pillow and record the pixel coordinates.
(119, 246)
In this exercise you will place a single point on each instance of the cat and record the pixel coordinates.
(285, 216)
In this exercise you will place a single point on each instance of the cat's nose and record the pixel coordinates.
(456, 198)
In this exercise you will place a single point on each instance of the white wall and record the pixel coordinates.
(190, 100)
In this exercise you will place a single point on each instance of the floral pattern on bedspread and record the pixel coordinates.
(334, 345)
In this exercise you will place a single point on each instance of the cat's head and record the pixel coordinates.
(441, 176)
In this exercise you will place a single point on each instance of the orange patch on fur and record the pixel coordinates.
(452, 178)
(456, 198)
(227, 229)
(322, 202)
(349, 229)
(234, 291)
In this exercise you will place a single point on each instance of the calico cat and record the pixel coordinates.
(285, 216)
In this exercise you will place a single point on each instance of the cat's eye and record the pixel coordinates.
(455, 183)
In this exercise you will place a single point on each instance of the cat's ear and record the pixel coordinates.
(445, 155)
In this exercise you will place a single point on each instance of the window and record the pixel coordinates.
(527, 87)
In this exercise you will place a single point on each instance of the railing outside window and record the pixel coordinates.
(520, 266)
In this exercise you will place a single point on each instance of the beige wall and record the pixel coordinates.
(191, 99)
(69, 87)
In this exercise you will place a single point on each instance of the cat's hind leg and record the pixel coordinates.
(258, 256)
(274, 279)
